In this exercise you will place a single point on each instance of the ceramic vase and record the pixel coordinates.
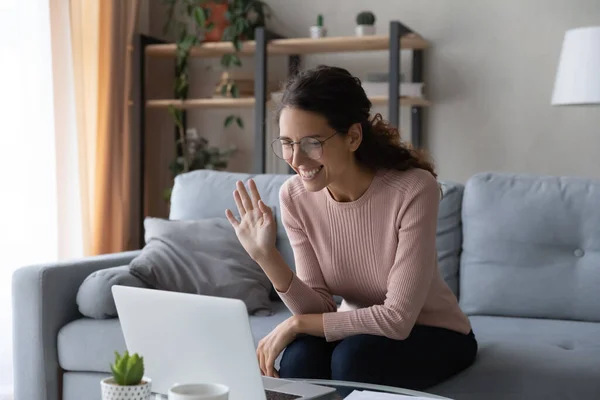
(113, 391)
(364, 30)
(318, 32)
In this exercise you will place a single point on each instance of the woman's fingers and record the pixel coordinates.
(246, 200)
(238, 203)
(265, 209)
(234, 222)
(270, 366)
(254, 192)
(261, 361)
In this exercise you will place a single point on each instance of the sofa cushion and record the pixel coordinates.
(208, 193)
(94, 297)
(449, 233)
(522, 358)
(531, 247)
(89, 344)
(202, 257)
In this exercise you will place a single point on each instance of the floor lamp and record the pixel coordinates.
(578, 75)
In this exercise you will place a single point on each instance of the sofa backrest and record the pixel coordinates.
(531, 247)
(449, 233)
(207, 194)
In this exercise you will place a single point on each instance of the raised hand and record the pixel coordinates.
(256, 228)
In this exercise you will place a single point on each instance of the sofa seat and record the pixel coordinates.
(561, 357)
(89, 344)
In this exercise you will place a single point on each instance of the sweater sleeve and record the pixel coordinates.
(307, 293)
(409, 279)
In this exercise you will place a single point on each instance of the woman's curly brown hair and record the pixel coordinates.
(337, 95)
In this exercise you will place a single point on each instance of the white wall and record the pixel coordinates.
(489, 75)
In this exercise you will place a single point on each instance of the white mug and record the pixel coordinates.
(199, 391)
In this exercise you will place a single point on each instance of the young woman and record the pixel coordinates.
(361, 215)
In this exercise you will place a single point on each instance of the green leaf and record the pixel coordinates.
(224, 90)
(235, 60)
(237, 44)
(239, 122)
(116, 374)
(229, 33)
(239, 26)
(210, 26)
(200, 17)
(229, 120)
(136, 371)
(226, 60)
(235, 91)
(167, 194)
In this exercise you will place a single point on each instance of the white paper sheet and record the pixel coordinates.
(369, 395)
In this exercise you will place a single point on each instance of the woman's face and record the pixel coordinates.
(317, 164)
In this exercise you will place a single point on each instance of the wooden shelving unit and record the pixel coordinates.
(247, 102)
(296, 46)
(400, 38)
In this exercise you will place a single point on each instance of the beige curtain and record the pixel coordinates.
(102, 37)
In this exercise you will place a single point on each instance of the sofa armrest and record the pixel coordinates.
(43, 301)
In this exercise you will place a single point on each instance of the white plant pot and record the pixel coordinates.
(364, 30)
(318, 32)
(112, 391)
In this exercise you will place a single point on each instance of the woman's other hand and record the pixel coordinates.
(273, 344)
(256, 228)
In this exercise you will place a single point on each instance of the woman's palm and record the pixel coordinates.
(256, 228)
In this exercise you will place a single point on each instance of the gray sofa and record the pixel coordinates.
(522, 253)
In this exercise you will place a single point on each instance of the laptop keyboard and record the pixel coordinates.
(271, 395)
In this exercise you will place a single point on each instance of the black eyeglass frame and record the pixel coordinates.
(292, 143)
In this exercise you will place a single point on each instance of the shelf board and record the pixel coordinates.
(249, 102)
(303, 45)
(203, 103)
(404, 101)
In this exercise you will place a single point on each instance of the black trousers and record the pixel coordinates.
(427, 357)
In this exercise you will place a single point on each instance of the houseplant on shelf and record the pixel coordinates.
(365, 24)
(127, 381)
(197, 20)
(194, 152)
(318, 30)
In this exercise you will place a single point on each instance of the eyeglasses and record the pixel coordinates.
(312, 147)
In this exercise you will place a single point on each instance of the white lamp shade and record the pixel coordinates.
(578, 74)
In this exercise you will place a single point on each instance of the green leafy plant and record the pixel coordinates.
(190, 18)
(320, 20)
(365, 18)
(127, 370)
(196, 153)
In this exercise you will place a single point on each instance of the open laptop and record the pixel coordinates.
(189, 338)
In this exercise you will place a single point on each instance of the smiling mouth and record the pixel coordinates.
(310, 174)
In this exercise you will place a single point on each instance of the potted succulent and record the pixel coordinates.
(318, 30)
(127, 381)
(365, 23)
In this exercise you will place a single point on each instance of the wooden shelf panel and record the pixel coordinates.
(249, 102)
(295, 46)
(203, 103)
(404, 101)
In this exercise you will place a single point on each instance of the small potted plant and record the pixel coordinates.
(365, 23)
(127, 381)
(318, 30)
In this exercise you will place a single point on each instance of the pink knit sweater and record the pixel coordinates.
(378, 253)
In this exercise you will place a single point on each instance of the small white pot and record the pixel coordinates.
(112, 391)
(364, 30)
(318, 32)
